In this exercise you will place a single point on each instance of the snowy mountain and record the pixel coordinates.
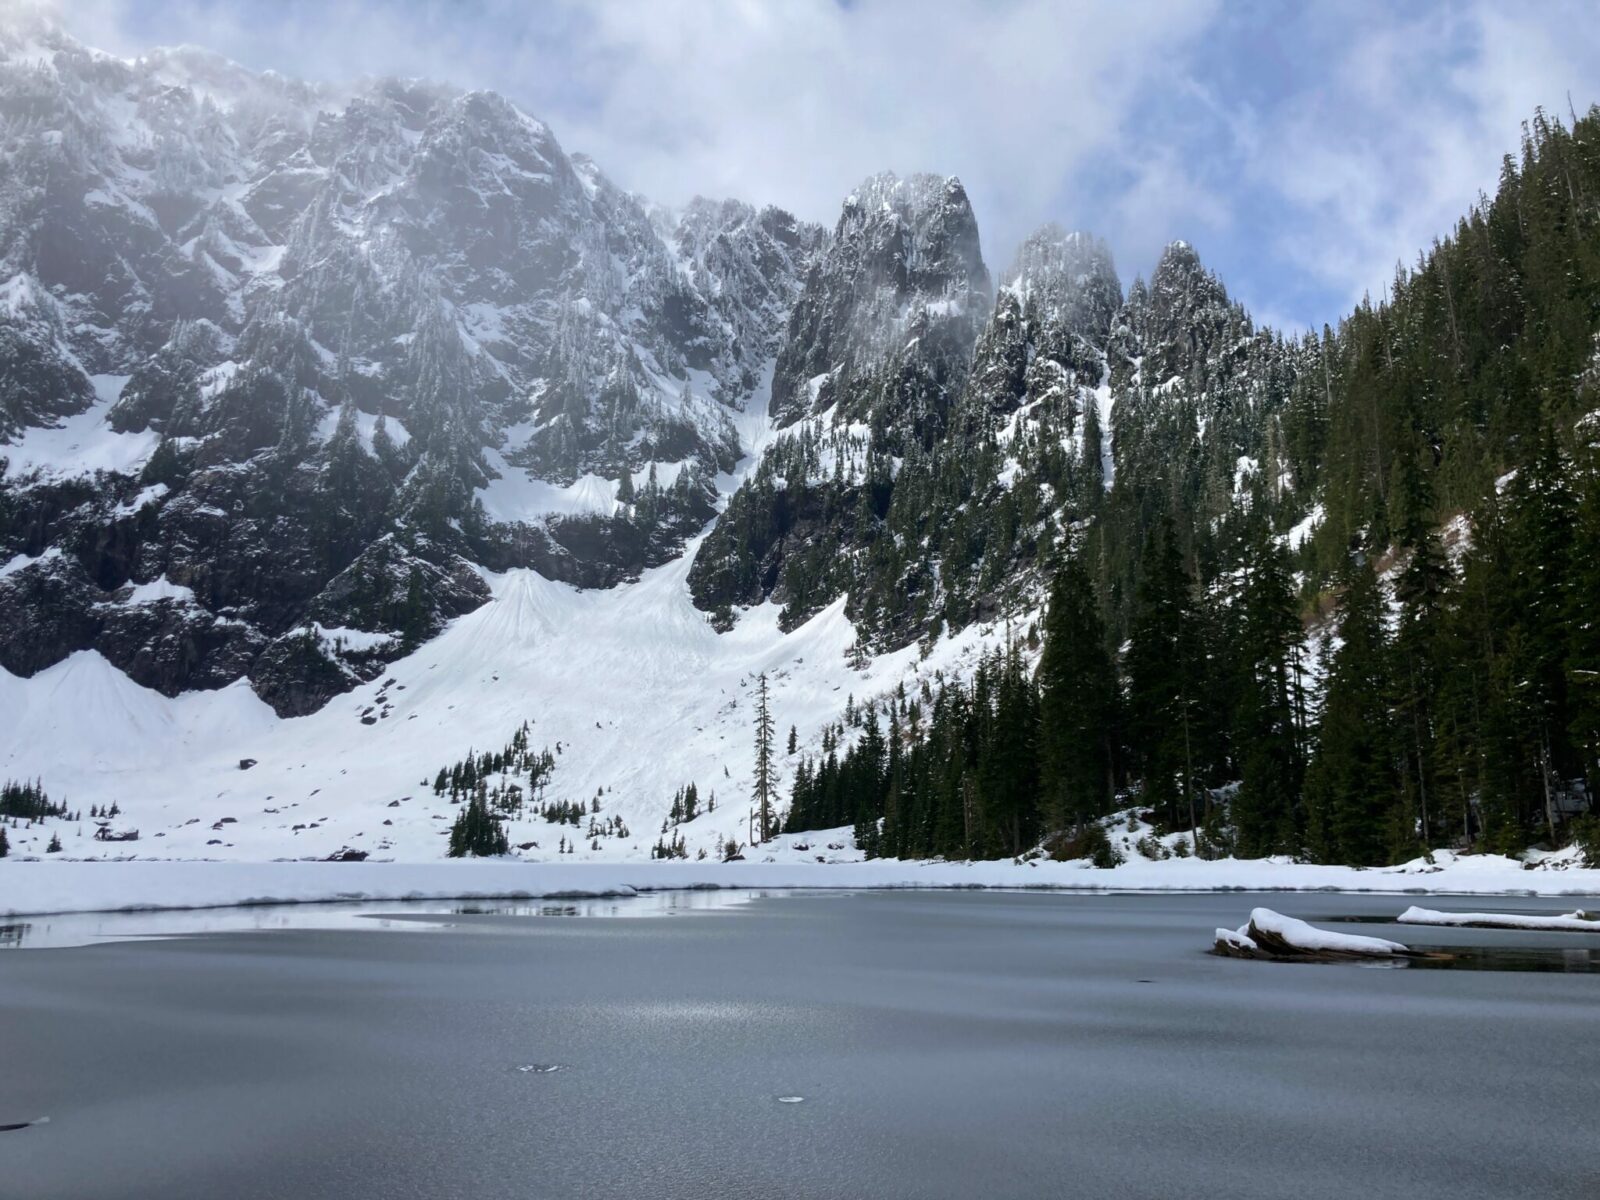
(360, 446)
(316, 390)
(925, 481)
(287, 365)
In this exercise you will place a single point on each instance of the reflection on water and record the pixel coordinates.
(499, 916)
(1510, 958)
(1479, 949)
(1485, 958)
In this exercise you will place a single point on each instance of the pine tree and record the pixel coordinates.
(1266, 734)
(1350, 783)
(1007, 768)
(764, 775)
(1543, 521)
(1077, 703)
(1421, 590)
(476, 833)
(1164, 679)
(1478, 745)
(863, 784)
(1583, 625)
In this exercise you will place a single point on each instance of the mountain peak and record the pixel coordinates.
(1177, 257)
(1071, 276)
(905, 253)
(919, 191)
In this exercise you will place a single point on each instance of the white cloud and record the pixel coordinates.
(1407, 127)
(784, 101)
(1304, 155)
(795, 102)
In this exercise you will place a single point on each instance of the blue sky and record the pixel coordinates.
(1303, 149)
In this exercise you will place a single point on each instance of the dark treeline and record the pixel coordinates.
(28, 802)
(952, 771)
(1423, 670)
(1459, 706)
(509, 784)
(500, 774)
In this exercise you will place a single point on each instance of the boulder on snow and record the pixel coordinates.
(1271, 935)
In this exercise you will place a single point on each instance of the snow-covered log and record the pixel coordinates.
(1573, 922)
(1271, 935)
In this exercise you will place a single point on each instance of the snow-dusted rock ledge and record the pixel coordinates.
(1573, 922)
(50, 886)
(1272, 935)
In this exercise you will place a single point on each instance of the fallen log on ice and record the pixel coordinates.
(1573, 922)
(1271, 935)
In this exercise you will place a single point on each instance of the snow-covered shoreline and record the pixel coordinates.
(40, 887)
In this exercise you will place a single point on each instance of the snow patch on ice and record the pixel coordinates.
(1573, 922)
(1308, 937)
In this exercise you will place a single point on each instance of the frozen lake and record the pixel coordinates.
(918, 1044)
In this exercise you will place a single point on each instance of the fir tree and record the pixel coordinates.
(1350, 783)
(764, 779)
(1583, 625)
(476, 833)
(1077, 703)
(1164, 685)
(1266, 734)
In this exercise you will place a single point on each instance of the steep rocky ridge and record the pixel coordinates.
(306, 356)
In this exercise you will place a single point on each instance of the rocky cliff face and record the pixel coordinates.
(285, 367)
(924, 482)
(903, 275)
(282, 363)
(935, 485)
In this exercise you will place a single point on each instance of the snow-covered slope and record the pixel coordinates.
(631, 688)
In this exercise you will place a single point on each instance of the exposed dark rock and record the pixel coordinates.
(416, 290)
(904, 262)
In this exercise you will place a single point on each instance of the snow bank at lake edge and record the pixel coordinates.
(39, 887)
